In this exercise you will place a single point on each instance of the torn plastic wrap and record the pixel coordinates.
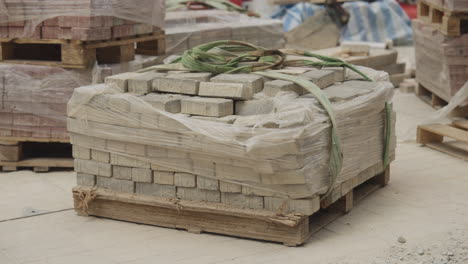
(80, 19)
(187, 29)
(278, 149)
(33, 98)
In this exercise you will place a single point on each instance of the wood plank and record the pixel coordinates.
(31, 139)
(110, 43)
(445, 130)
(40, 162)
(451, 148)
(463, 124)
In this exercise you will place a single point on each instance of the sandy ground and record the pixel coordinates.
(425, 206)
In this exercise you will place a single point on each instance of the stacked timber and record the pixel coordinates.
(49, 48)
(240, 140)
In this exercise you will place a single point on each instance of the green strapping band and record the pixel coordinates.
(388, 134)
(239, 57)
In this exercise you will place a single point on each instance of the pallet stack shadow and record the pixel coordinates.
(236, 154)
(440, 41)
(48, 48)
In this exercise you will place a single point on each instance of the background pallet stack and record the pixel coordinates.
(440, 41)
(48, 48)
(176, 139)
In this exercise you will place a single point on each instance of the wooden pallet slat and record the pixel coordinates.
(435, 101)
(198, 217)
(433, 135)
(79, 54)
(450, 23)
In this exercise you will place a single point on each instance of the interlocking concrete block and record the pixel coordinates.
(172, 123)
(166, 102)
(120, 160)
(176, 85)
(205, 183)
(118, 103)
(321, 78)
(197, 76)
(143, 84)
(300, 206)
(121, 172)
(229, 172)
(215, 107)
(155, 189)
(339, 72)
(194, 194)
(115, 184)
(142, 175)
(255, 82)
(120, 81)
(238, 91)
(276, 86)
(242, 201)
(83, 179)
(135, 149)
(87, 141)
(257, 191)
(100, 156)
(163, 177)
(93, 167)
(183, 179)
(203, 167)
(254, 107)
(228, 187)
(156, 152)
(114, 145)
(81, 152)
(230, 119)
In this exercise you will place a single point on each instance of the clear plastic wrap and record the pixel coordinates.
(34, 98)
(102, 19)
(277, 149)
(187, 29)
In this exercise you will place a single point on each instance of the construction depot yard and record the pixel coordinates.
(420, 217)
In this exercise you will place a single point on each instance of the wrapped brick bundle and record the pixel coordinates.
(187, 29)
(79, 20)
(441, 61)
(34, 98)
(241, 140)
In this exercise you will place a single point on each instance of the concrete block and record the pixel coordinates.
(197, 76)
(163, 177)
(255, 82)
(225, 119)
(120, 81)
(93, 167)
(115, 184)
(166, 102)
(194, 194)
(339, 72)
(87, 141)
(114, 145)
(143, 84)
(215, 107)
(118, 103)
(183, 179)
(228, 187)
(83, 179)
(229, 172)
(142, 175)
(321, 78)
(254, 107)
(156, 152)
(100, 156)
(274, 87)
(238, 91)
(242, 201)
(176, 85)
(135, 149)
(81, 152)
(121, 172)
(120, 160)
(204, 167)
(155, 189)
(205, 183)
(300, 206)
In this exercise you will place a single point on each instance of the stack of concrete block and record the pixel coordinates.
(34, 98)
(84, 20)
(187, 29)
(237, 139)
(441, 61)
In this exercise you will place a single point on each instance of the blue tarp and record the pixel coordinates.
(378, 21)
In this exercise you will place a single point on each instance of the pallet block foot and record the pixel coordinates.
(9, 168)
(41, 169)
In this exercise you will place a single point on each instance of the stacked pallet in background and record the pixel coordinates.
(48, 48)
(234, 154)
(187, 29)
(382, 59)
(441, 63)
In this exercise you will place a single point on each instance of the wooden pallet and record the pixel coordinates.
(79, 54)
(436, 101)
(433, 137)
(449, 22)
(197, 217)
(40, 156)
